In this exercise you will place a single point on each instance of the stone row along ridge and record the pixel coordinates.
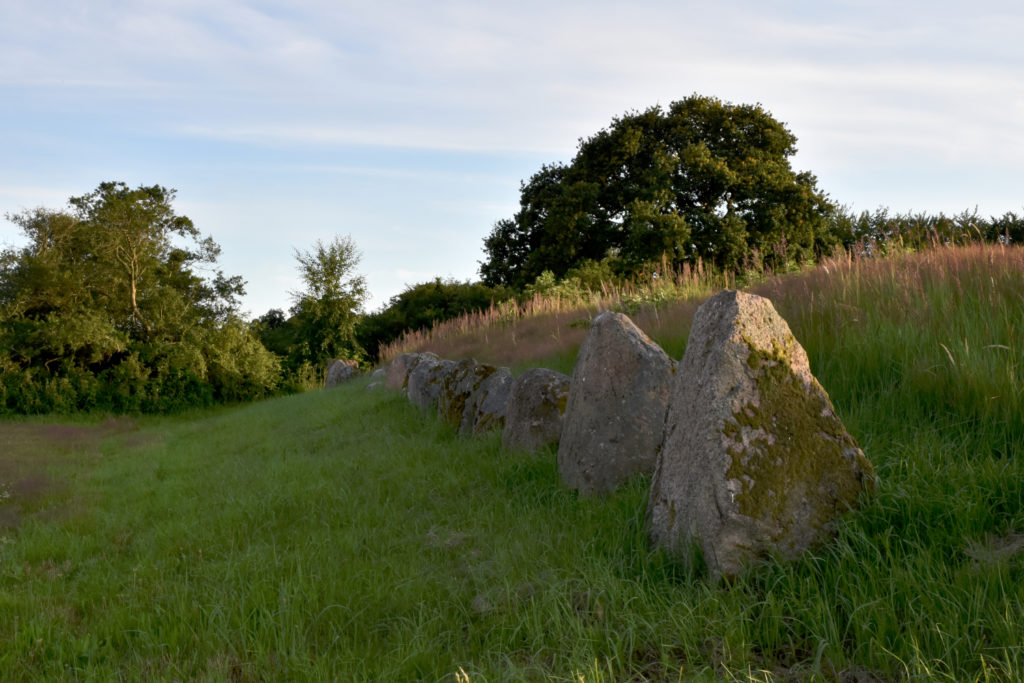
(747, 455)
(477, 398)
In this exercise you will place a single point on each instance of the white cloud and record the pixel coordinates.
(406, 99)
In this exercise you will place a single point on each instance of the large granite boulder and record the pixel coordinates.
(426, 381)
(458, 386)
(340, 371)
(536, 404)
(755, 461)
(485, 408)
(615, 417)
(401, 367)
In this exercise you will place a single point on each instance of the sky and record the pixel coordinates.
(409, 126)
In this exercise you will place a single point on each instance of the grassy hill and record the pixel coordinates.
(341, 535)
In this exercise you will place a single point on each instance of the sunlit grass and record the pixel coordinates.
(552, 326)
(342, 535)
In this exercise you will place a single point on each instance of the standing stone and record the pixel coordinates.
(485, 409)
(340, 371)
(426, 381)
(615, 417)
(536, 405)
(755, 461)
(401, 367)
(458, 387)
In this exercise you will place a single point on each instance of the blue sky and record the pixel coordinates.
(409, 125)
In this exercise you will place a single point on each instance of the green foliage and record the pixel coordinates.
(104, 309)
(701, 180)
(882, 232)
(354, 538)
(421, 306)
(325, 313)
(239, 367)
(594, 275)
(277, 333)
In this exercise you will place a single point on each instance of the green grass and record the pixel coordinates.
(342, 535)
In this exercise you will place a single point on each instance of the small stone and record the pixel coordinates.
(426, 381)
(401, 367)
(536, 405)
(340, 371)
(486, 407)
(465, 379)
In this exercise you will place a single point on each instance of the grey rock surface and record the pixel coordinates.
(401, 367)
(340, 371)
(458, 386)
(426, 381)
(536, 406)
(485, 408)
(615, 416)
(755, 461)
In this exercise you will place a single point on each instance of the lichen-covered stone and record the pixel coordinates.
(340, 371)
(401, 367)
(615, 417)
(426, 381)
(755, 461)
(485, 408)
(536, 405)
(458, 386)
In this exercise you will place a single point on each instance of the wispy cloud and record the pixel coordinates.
(496, 77)
(236, 97)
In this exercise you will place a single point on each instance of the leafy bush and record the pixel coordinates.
(240, 368)
(95, 318)
(421, 306)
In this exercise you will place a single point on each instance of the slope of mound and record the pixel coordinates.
(342, 535)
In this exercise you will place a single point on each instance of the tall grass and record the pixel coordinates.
(551, 325)
(921, 353)
(938, 331)
(342, 535)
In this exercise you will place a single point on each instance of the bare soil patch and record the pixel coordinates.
(29, 454)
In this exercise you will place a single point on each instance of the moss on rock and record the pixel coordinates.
(787, 440)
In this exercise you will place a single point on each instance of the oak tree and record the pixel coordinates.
(702, 179)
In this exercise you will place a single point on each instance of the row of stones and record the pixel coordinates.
(747, 454)
(477, 398)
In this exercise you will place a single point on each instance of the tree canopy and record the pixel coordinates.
(326, 311)
(702, 179)
(105, 306)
